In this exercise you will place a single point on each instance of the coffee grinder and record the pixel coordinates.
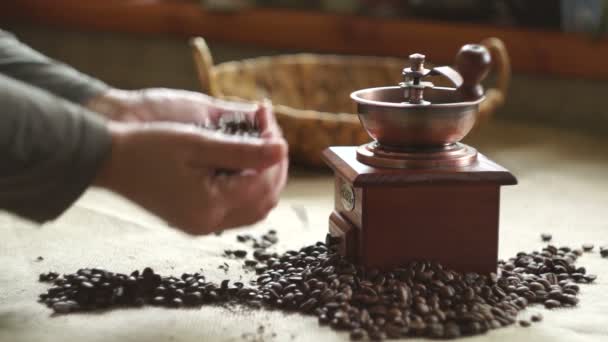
(416, 192)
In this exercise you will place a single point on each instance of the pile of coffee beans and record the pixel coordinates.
(421, 298)
(91, 289)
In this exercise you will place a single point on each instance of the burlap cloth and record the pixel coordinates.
(563, 190)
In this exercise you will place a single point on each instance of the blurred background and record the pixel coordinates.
(558, 48)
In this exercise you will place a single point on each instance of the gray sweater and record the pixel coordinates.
(50, 146)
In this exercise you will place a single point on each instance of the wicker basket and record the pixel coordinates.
(311, 93)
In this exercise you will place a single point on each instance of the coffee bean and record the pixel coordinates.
(524, 323)
(587, 247)
(261, 255)
(86, 285)
(546, 237)
(552, 303)
(176, 302)
(158, 300)
(308, 305)
(590, 278)
(469, 294)
(239, 253)
(147, 273)
(452, 330)
(50, 276)
(250, 263)
(243, 238)
(569, 299)
(272, 238)
(422, 308)
(357, 334)
(64, 307)
(395, 331)
(536, 317)
(377, 335)
(446, 291)
(436, 330)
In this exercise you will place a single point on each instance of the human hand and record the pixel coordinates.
(169, 169)
(166, 105)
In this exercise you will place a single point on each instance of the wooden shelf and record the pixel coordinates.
(539, 52)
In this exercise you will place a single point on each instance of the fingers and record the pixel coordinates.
(219, 107)
(241, 199)
(237, 201)
(232, 106)
(239, 153)
(250, 197)
(262, 116)
(159, 156)
(267, 121)
(246, 216)
(282, 176)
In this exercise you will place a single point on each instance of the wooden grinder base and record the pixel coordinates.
(388, 217)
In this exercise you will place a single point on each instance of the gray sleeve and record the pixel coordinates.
(22, 63)
(50, 150)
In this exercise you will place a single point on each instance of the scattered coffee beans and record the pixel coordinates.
(48, 276)
(421, 298)
(263, 242)
(224, 267)
(546, 237)
(239, 253)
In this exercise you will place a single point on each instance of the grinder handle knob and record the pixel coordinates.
(473, 63)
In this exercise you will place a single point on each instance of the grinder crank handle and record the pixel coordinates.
(495, 97)
(473, 62)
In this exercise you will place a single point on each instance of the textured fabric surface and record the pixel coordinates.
(563, 190)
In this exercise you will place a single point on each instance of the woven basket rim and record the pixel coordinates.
(300, 58)
(305, 114)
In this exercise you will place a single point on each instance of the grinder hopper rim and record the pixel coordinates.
(417, 117)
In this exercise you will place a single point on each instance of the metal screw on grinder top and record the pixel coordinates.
(413, 75)
(417, 64)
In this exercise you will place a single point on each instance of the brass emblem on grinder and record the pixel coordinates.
(348, 196)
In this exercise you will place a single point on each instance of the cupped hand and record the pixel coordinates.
(170, 169)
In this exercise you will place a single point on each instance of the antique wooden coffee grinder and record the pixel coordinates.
(415, 192)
